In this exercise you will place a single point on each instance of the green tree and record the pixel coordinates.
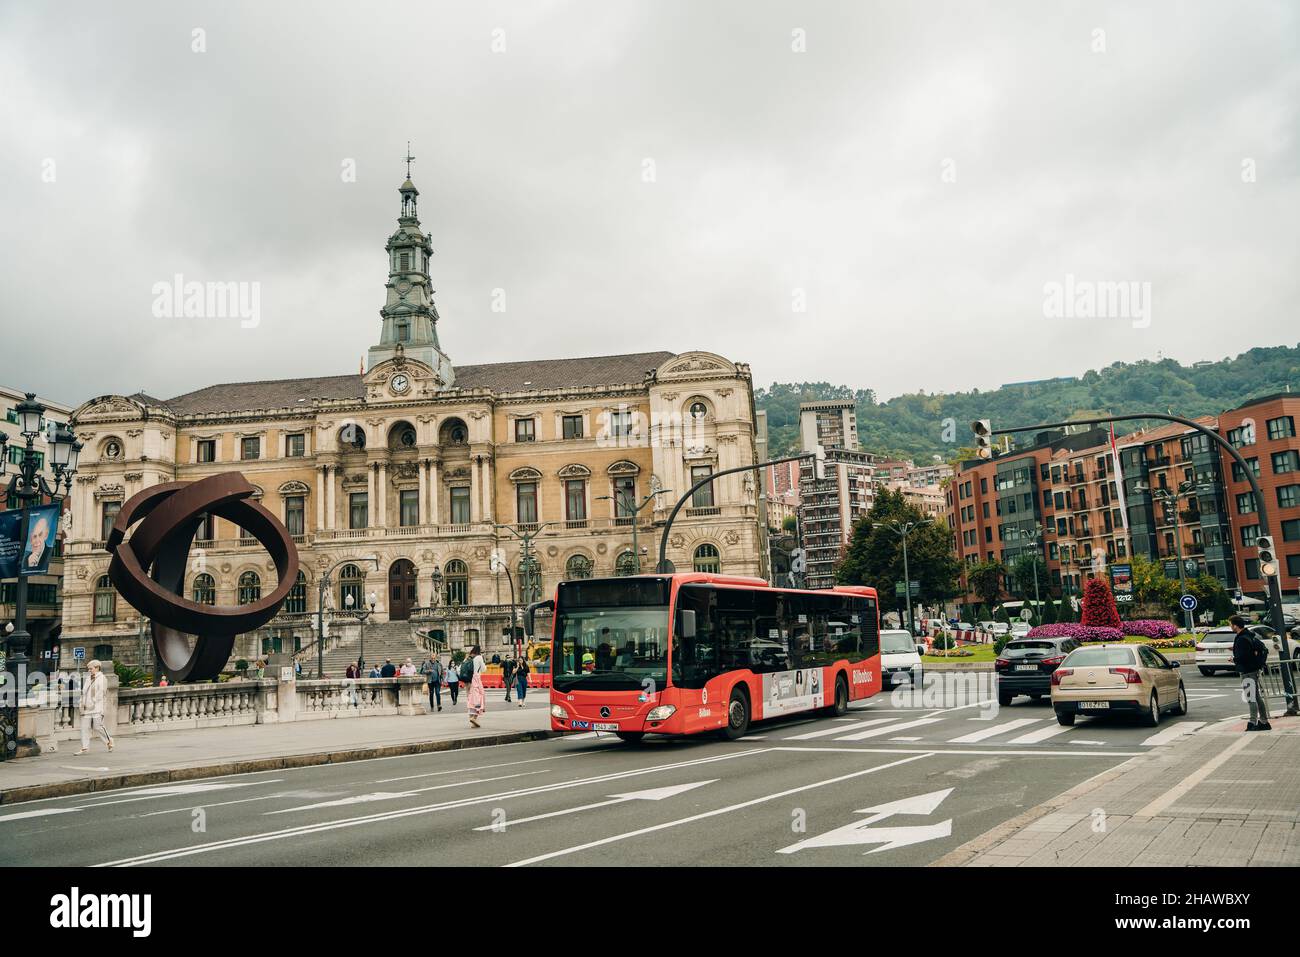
(1049, 612)
(1151, 587)
(790, 524)
(875, 553)
(1023, 570)
(985, 580)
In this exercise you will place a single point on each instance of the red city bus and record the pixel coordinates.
(693, 652)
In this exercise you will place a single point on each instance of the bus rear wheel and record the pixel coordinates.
(737, 715)
(841, 705)
(630, 737)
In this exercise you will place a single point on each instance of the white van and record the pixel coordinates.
(899, 662)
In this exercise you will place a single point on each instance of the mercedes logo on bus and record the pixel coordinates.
(604, 712)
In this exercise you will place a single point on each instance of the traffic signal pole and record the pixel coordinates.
(984, 431)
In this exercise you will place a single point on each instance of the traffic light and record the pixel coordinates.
(1267, 556)
(983, 430)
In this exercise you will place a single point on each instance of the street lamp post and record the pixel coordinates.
(28, 486)
(1036, 539)
(527, 584)
(627, 502)
(902, 530)
(321, 587)
(361, 614)
(1185, 490)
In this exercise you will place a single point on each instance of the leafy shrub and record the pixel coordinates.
(943, 641)
(1078, 632)
(1149, 628)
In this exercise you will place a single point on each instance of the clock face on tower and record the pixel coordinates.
(399, 383)
(403, 287)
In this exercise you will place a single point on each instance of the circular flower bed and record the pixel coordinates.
(1076, 631)
(1149, 628)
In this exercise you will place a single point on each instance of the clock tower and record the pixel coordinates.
(410, 319)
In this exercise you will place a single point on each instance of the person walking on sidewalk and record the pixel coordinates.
(507, 673)
(1250, 655)
(521, 680)
(453, 682)
(475, 697)
(94, 694)
(432, 671)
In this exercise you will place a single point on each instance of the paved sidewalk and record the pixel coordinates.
(1221, 798)
(162, 756)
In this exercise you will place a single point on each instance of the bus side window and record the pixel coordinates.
(695, 660)
(870, 627)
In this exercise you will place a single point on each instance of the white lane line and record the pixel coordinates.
(905, 739)
(653, 794)
(997, 729)
(181, 790)
(977, 704)
(383, 816)
(1174, 731)
(708, 814)
(827, 732)
(40, 812)
(1082, 741)
(394, 795)
(966, 752)
(480, 767)
(1042, 734)
(881, 732)
(1193, 779)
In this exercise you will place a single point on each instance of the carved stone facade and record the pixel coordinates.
(418, 466)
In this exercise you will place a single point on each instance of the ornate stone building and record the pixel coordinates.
(425, 470)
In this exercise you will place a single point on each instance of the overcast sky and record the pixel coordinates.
(648, 175)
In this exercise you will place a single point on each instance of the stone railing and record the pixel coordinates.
(51, 718)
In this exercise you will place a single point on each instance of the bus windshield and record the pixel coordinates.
(611, 635)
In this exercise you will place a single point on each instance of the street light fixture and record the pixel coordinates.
(1174, 499)
(627, 502)
(321, 586)
(361, 614)
(28, 486)
(903, 530)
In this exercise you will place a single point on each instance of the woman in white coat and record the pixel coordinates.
(94, 693)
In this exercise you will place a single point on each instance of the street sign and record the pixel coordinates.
(1121, 579)
(900, 591)
(79, 654)
(1026, 614)
(1188, 602)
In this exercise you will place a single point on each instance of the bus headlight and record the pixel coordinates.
(661, 713)
(557, 711)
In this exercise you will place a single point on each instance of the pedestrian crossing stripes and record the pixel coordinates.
(1016, 731)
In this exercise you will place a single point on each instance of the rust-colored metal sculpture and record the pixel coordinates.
(148, 570)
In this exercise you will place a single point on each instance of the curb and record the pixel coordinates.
(36, 792)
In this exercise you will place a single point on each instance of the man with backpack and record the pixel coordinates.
(432, 671)
(1250, 654)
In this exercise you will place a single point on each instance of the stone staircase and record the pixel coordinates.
(395, 640)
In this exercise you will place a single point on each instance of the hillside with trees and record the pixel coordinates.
(912, 425)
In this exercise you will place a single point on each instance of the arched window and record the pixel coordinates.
(205, 589)
(578, 566)
(105, 600)
(250, 588)
(707, 559)
(456, 578)
(296, 603)
(351, 582)
(625, 564)
(352, 437)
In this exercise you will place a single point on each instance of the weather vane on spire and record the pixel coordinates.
(409, 159)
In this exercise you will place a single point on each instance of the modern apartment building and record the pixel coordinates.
(829, 507)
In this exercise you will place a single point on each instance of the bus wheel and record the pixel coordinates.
(737, 715)
(630, 737)
(841, 696)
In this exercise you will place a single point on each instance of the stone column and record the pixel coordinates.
(383, 494)
(370, 495)
(489, 481)
(475, 489)
(331, 480)
(321, 472)
(423, 517)
(433, 492)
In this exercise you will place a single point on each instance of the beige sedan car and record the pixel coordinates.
(1117, 679)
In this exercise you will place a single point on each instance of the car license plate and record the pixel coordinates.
(1026, 667)
(605, 726)
(1094, 705)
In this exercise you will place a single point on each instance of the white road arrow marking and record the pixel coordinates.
(393, 795)
(651, 794)
(861, 832)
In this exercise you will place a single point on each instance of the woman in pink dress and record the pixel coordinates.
(476, 699)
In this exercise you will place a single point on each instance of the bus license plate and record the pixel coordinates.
(605, 726)
(1094, 705)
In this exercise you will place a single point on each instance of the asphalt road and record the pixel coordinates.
(884, 785)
